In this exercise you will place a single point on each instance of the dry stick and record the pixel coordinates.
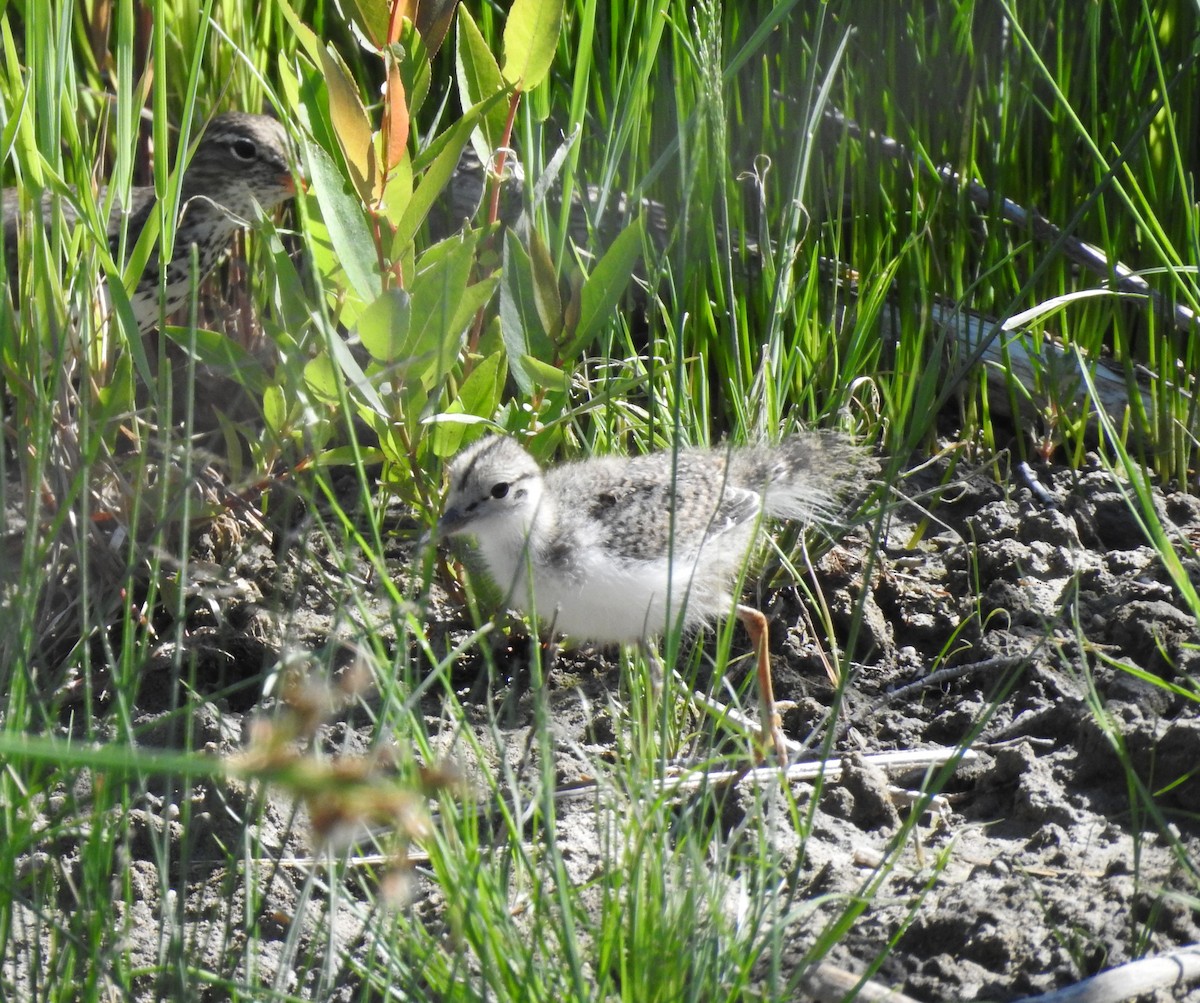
(977, 334)
(828, 983)
(935, 679)
(1171, 971)
(1082, 253)
(829, 771)
(1016, 357)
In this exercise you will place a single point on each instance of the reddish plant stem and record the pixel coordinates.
(495, 179)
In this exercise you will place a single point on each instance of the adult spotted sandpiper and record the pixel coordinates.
(241, 160)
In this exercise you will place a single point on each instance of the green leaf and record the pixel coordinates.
(530, 38)
(356, 379)
(340, 456)
(312, 103)
(474, 298)
(545, 375)
(476, 402)
(291, 301)
(441, 283)
(346, 112)
(275, 408)
(321, 376)
(548, 179)
(139, 254)
(8, 134)
(545, 286)
(604, 287)
(348, 231)
(321, 379)
(384, 325)
(520, 324)
(479, 78)
(372, 17)
(453, 136)
(304, 33)
(116, 399)
(398, 192)
(218, 351)
(123, 309)
(352, 128)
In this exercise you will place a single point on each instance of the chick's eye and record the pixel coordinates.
(244, 149)
(500, 490)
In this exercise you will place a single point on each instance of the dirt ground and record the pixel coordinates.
(1026, 610)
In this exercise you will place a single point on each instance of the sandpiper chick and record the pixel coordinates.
(241, 160)
(616, 550)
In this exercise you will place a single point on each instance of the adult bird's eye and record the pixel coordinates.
(244, 149)
(500, 490)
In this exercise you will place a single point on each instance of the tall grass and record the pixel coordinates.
(720, 113)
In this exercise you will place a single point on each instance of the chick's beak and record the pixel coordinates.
(453, 521)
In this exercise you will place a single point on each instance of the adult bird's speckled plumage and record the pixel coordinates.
(241, 160)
